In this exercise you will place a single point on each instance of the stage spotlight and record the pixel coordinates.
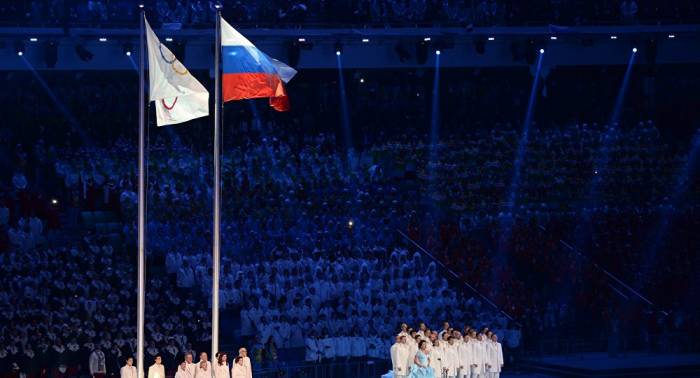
(350, 223)
(541, 51)
(54, 201)
(102, 39)
(553, 38)
(362, 80)
(51, 53)
(613, 37)
(127, 49)
(492, 38)
(301, 40)
(19, 48)
(437, 52)
(365, 40)
(33, 39)
(338, 48)
(634, 49)
(140, 6)
(426, 39)
(168, 39)
(671, 36)
(84, 54)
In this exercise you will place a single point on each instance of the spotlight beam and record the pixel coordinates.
(684, 176)
(347, 131)
(505, 221)
(434, 124)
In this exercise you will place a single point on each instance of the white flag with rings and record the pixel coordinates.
(178, 96)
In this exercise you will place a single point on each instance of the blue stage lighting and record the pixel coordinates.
(337, 53)
(634, 49)
(541, 51)
(437, 52)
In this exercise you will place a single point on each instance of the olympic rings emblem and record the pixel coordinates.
(172, 62)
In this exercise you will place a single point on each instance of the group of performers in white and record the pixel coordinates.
(424, 353)
(240, 367)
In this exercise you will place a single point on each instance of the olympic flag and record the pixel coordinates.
(179, 97)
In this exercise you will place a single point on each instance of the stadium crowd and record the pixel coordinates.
(195, 13)
(312, 258)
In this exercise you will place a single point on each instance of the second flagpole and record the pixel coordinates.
(216, 234)
(141, 299)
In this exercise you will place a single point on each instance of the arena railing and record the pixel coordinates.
(456, 277)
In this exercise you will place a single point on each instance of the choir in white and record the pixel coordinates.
(424, 353)
(240, 367)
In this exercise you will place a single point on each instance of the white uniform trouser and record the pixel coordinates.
(475, 372)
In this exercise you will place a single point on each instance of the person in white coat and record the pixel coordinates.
(437, 356)
(479, 366)
(451, 363)
(496, 357)
(237, 368)
(128, 370)
(190, 366)
(312, 348)
(399, 357)
(182, 371)
(241, 367)
(466, 357)
(157, 370)
(203, 368)
(221, 366)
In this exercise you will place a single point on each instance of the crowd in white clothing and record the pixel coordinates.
(239, 367)
(451, 353)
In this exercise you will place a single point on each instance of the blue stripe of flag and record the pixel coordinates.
(241, 59)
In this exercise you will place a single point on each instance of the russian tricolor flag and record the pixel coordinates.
(250, 73)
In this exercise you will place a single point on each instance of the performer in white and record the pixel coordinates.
(157, 370)
(312, 348)
(496, 356)
(466, 357)
(182, 371)
(190, 366)
(203, 367)
(237, 368)
(451, 357)
(437, 355)
(241, 367)
(479, 357)
(400, 357)
(128, 370)
(221, 366)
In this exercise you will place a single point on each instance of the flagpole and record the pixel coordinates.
(141, 305)
(217, 192)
